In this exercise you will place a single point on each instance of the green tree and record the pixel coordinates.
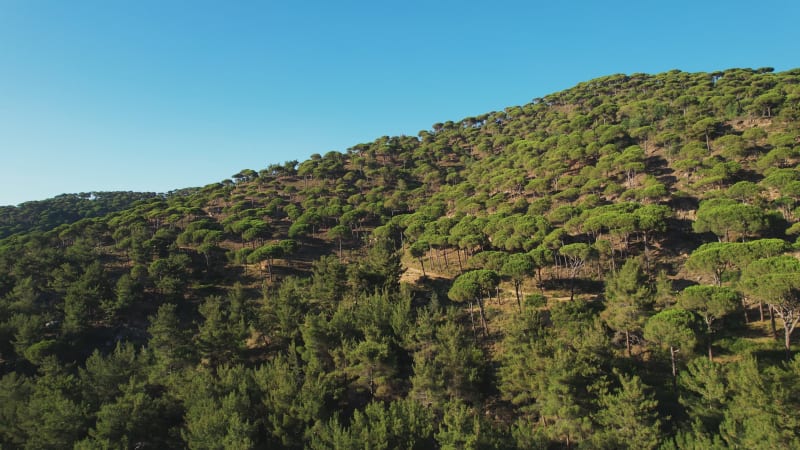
(266, 253)
(725, 217)
(776, 281)
(704, 392)
(629, 296)
(518, 267)
(339, 232)
(628, 417)
(673, 329)
(418, 250)
(711, 303)
(471, 286)
(170, 342)
(220, 338)
(134, 419)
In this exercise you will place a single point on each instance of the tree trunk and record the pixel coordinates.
(672, 352)
(628, 342)
(516, 290)
(572, 288)
(789, 323)
(772, 322)
(483, 318)
(472, 320)
(787, 342)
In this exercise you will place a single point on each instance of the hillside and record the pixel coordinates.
(610, 266)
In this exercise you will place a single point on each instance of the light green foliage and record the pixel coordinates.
(462, 428)
(675, 329)
(710, 302)
(170, 342)
(730, 219)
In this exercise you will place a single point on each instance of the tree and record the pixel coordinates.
(706, 128)
(629, 295)
(266, 253)
(651, 219)
(213, 423)
(461, 428)
(628, 417)
(576, 256)
(220, 338)
(715, 259)
(711, 303)
(673, 329)
(776, 281)
(170, 342)
(517, 267)
(759, 412)
(704, 392)
(135, 419)
(417, 250)
(470, 286)
(339, 232)
(54, 416)
(725, 216)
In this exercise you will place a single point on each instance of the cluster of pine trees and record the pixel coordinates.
(611, 266)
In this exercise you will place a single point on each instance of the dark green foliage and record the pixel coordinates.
(400, 424)
(628, 417)
(629, 297)
(46, 215)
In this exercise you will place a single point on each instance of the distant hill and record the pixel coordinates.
(47, 214)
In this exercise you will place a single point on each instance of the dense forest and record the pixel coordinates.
(610, 266)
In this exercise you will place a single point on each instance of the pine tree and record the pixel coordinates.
(629, 296)
(628, 417)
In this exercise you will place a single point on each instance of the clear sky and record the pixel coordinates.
(158, 95)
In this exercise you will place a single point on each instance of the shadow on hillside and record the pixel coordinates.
(582, 285)
(659, 167)
(679, 237)
(425, 287)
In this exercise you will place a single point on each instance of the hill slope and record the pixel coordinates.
(564, 261)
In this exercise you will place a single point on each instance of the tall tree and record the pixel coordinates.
(629, 296)
(628, 417)
(776, 281)
(518, 267)
(673, 329)
(711, 303)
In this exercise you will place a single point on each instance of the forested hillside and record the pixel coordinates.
(611, 266)
(64, 209)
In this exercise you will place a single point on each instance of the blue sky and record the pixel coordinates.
(160, 95)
